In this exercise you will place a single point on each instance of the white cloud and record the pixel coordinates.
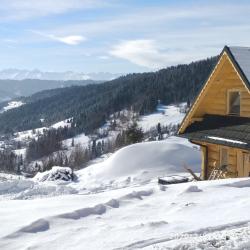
(26, 9)
(69, 40)
(141, 52)
(158, 19)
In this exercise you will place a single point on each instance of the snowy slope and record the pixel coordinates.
(140, 163)
(139, 214)
(165, 115)
(12, 105)
(79, 139)
(29, 134)
(200, 215)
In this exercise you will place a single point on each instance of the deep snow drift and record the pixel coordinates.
(118, 204)
(133, 165)
(141, 162)
(202, 215)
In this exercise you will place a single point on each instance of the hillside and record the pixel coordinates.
(90, 105)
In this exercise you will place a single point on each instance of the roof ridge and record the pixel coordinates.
(235, 46)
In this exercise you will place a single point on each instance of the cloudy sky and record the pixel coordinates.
(117, 36)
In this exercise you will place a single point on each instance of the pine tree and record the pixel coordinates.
(134, 134)
(159, 131)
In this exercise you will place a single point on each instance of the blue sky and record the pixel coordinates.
(117, 36)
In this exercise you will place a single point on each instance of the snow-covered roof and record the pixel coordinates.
(241, 57)
(230, 131)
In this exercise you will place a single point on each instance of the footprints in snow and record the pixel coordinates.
(42, 225)
(37, 226)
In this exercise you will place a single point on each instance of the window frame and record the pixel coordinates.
(228, 101)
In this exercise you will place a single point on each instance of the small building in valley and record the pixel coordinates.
(219, 119)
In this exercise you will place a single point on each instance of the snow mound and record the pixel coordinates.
(192, 189)
(37, 226)
(56, 173)
(141, 162)
(240, 184)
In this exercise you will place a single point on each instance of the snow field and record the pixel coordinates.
(133, 218)
(140, 163)
(165, 115)
(118, 204)
(12, 105)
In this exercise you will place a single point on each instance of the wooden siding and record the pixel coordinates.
(216, 99)
(214, 159)
(212, 156)
(213, 99)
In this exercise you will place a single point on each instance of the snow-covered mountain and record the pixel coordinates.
(17, 74)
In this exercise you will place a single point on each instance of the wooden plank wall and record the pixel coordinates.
(215, 99)
(214, 156)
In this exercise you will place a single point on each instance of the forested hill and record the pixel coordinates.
(90, 105)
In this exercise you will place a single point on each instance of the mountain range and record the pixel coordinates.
(17, 74)
(91, 105)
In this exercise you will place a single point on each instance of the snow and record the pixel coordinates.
(29, 134)
(226, 140)
(20, 152)
(133, 218)
(139, 214)
(56, 173)
(79, 139)
(165, 115)
(139, 163)
(17, 74)
(62, 124)
(12, 105)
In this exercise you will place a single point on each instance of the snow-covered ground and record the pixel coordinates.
(79, 139)
(29, 134)
(12, 105)
(117, 204)
(62, 124)
(165, 115)
(140, 163)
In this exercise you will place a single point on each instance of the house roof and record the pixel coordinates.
(230, 131)
(240, 56)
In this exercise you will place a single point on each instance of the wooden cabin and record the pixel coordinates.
(219, 119)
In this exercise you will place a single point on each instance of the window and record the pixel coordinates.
(234, 102)
(223, 157)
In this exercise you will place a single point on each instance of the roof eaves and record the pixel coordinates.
(202, 86)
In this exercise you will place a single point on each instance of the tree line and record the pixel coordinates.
(90, 105)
